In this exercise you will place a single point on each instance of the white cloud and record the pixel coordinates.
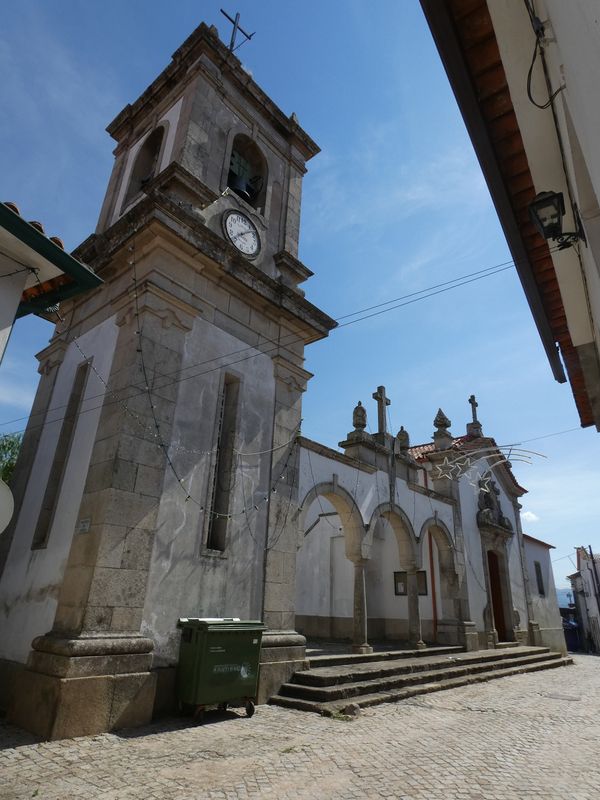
(374, 188)
(529, 516)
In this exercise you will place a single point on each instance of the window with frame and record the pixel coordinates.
(224, 472)
(401, 582)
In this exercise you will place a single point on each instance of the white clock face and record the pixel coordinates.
(242, 233)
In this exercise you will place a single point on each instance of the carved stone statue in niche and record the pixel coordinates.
(490, 512)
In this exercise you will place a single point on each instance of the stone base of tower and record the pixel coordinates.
(84, 686)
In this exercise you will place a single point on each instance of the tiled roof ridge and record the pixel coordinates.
(34, 223)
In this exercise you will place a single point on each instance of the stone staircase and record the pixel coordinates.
(339, 684)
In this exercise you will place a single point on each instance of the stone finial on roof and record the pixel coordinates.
(441, 420)
(442, 438)
(359, 417)
(403, 440)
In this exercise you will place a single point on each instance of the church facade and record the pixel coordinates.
(419, 544)
(163, 473)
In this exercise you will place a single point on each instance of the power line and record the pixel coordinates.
(425, 294)
(293, 338)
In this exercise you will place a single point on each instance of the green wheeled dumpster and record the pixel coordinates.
(218, 663)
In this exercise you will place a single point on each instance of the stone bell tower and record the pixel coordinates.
(169, 486)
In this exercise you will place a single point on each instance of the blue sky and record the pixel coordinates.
(395, 202)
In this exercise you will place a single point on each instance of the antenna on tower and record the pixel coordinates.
(236, 27)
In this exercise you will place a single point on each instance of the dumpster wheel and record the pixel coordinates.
(249, 708)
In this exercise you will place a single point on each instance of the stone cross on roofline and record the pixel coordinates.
(382, 402)
(474, 428)
(474, 404)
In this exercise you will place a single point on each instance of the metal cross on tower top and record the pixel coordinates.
(382, 403)
(236, 27)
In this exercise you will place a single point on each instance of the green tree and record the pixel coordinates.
(10, 444)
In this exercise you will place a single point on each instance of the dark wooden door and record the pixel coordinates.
(497, 599)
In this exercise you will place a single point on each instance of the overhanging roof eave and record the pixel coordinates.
(448, 45)
(82, 275)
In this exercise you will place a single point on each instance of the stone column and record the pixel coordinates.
(414, 615)
(360, 642)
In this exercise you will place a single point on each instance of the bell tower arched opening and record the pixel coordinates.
(248, 172)
(146, 164)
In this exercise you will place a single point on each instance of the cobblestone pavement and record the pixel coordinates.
(528, 736)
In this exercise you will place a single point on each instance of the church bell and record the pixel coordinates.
(239, 185)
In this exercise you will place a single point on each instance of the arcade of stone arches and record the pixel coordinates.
(390, 547)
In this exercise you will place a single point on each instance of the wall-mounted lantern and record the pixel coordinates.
(546, 211)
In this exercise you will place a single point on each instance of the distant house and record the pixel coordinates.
(541, 584)
(586, 592)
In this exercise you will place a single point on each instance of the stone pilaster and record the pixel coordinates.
(283, 650)
(414, 615)
(91, 672)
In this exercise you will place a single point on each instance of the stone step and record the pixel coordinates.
(351, 672)
(382, 655)
(503, 645)
(325, 694)
(375, 698)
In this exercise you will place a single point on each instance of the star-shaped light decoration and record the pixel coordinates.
(462, 465)
(481, 481)
(444, 470)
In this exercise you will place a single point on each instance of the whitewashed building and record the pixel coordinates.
(585, 584)
(525, 77)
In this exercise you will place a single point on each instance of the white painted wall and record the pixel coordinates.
(316, 557)
(545, 607)
(10, 297)
(183, 580)
(516, 42)
(31, 579)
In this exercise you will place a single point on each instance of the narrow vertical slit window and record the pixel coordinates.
(539, 578)
(61, 458)
(224, 472)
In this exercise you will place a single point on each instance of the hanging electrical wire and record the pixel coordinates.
(287, 341)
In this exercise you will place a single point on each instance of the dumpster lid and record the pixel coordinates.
(220, 622)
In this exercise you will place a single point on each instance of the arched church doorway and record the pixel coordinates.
(497, 597)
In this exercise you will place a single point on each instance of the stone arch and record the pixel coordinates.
(247, 171)
(147, 161)
(435, 531)
(356, 542)
(403, 531)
